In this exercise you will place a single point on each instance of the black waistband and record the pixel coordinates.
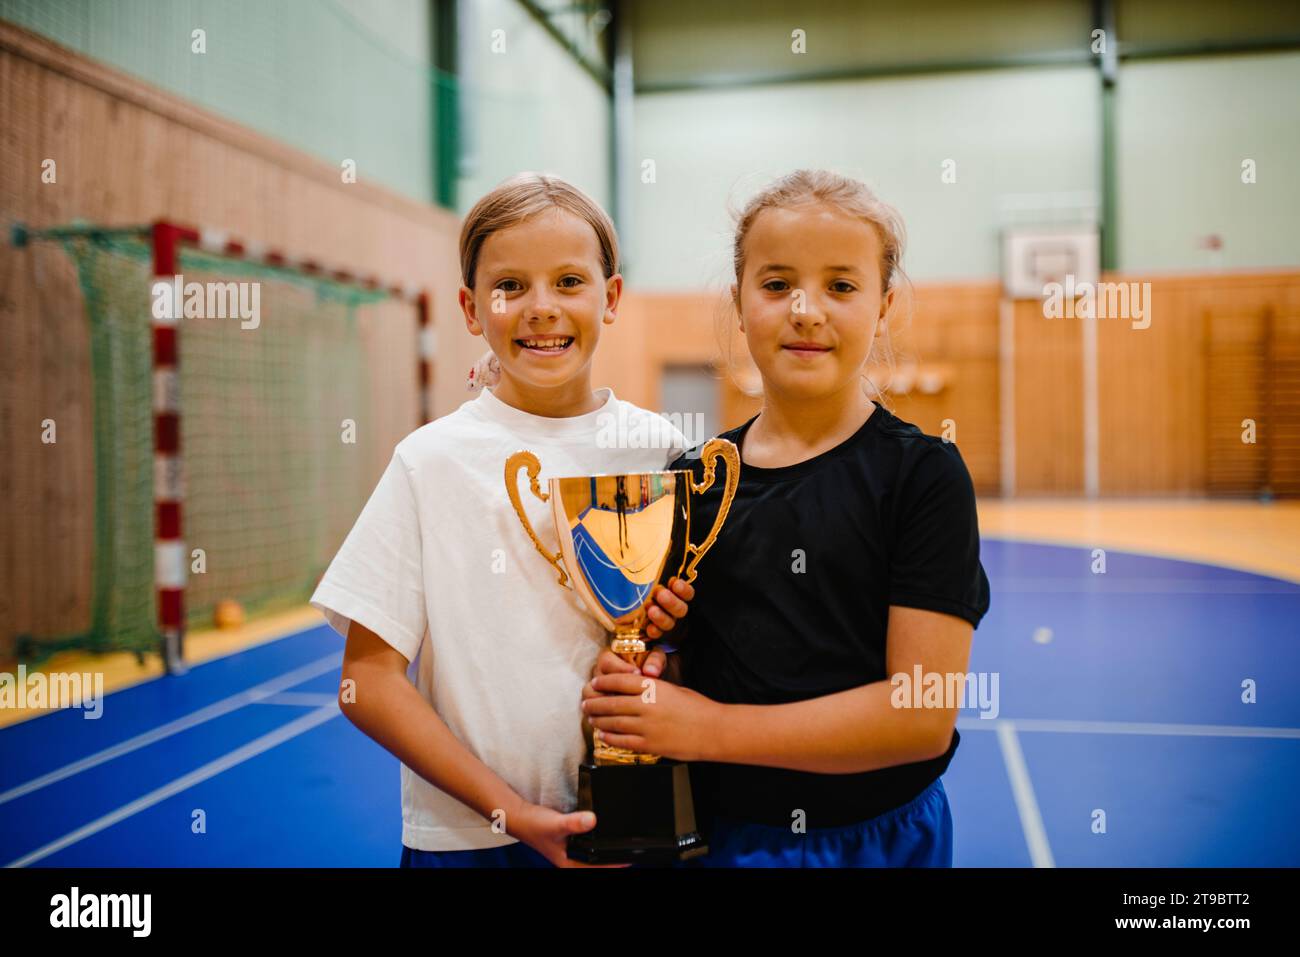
(772, 796)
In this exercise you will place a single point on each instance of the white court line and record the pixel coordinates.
(209, 770)
(1096, 585)
(1131, 727)
(1040, 852)
(303, 699)
(184, 723)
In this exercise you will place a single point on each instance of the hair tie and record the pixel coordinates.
(485, 373)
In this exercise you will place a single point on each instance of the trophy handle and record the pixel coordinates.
(713, 450)
(513, 464)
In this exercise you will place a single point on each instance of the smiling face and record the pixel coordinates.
(810, 299)
(539, 299)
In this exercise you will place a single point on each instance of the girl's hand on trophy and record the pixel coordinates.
(547, 831)
(659, 717)
(652, 664)
(669, 605)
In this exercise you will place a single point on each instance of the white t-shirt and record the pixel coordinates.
(439, 566)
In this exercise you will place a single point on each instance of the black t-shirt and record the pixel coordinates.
(792, 601)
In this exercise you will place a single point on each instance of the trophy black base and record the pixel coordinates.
(644, 814)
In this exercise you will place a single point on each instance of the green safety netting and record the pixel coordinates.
(270, 486)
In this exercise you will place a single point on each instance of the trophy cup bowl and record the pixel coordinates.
(620, 538)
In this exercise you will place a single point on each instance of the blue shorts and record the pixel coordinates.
(517, 854)
(915, 834)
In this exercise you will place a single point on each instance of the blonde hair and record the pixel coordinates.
(811, 187)
(510, 203)
(525, 195)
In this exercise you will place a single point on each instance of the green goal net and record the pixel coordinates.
(273, 476)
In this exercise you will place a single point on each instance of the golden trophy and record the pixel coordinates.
(621, 537)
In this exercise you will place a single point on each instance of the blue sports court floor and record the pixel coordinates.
(1119, 693)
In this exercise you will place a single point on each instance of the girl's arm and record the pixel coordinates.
(848, 732)
(383, 703)
(860, 729)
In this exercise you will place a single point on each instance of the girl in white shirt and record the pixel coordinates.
(437, 571)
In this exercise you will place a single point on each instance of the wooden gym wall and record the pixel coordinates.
(128, 154)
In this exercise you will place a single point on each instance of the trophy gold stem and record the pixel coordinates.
(631, 647)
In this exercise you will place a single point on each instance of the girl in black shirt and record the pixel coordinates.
(846, 579)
